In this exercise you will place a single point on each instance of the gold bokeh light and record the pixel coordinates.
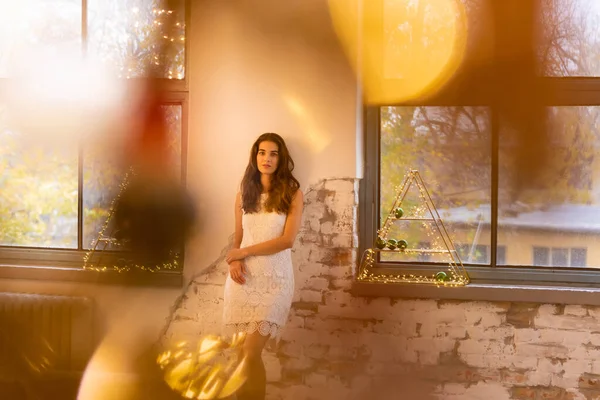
(401, 50)
(214, 371)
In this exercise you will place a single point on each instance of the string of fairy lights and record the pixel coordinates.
(96, 259)
(158, 34)
(425, 213)
(119, 264)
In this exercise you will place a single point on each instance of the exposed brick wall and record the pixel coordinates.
(337, 346)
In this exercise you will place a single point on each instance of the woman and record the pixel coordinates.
(260, 285)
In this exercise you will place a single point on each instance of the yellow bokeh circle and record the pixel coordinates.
(402, 50)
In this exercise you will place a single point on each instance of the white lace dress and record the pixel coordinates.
(263, 302)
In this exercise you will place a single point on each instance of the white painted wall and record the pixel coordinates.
(258, 66)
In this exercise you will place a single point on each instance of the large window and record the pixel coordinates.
(463, 150)
(56, 198)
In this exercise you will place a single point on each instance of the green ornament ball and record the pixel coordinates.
(441, 276)
(392, 244)
(402, 244)
(380, 243)
(398, 212)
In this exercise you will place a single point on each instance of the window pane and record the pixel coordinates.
(124, 36)
(103, 174)
(480, 255)
(450, 147)
(424, 257)
(541, 256)
(571, 37)
(560, 257)
(463, 251)
(37, 28)
(501, 255)
(38, 206)
(578, 257)
(473, 254)
(566, 213)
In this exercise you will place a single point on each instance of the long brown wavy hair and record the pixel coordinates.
(283, 184)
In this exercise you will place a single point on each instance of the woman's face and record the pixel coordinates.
(267, 158)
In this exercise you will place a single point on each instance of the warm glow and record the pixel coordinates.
(55, 99)
(66, 79)
(401, 50)
(213, 371)
(102, 380)
(12, 17)
(317, 139)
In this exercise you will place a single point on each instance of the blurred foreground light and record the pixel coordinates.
(401, 50)
(60, 97)
(214, 370)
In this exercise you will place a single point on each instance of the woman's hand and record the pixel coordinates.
(235, 255)
(237, 270)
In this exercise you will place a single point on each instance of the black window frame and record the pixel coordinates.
(20, 262)
(565, 91)
(556, 91)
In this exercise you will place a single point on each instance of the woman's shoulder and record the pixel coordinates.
(298, 195)
(297, 202)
